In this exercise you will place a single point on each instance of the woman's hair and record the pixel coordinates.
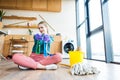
(44, 23)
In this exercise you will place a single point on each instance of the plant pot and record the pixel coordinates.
(0, 19)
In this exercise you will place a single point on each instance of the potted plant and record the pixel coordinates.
(30, 31)
(2, 13)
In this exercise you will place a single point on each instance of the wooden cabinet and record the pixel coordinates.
(24, 4)
(7, 44)
(1, 43)
(56, 46)
(8, 4)
(30, 45)
(40, 5)
(54, 5)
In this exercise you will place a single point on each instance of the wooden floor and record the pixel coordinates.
(10, 71)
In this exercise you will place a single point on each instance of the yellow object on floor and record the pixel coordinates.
(76, 57)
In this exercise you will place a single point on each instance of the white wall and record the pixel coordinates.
(63, 22)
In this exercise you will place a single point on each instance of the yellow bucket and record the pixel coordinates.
(75, 57)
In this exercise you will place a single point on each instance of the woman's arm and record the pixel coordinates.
(49, 44)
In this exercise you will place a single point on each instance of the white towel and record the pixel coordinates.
(17, 46)
(17, 51)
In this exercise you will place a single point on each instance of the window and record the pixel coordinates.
(114, 15)
(97, 46)
(95, 14)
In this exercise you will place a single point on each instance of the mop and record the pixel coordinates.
(81, 68)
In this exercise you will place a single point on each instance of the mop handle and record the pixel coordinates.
(47, 23)
(67, 65)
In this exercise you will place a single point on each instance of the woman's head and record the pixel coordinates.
(42, 26)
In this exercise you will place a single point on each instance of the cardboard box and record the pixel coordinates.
(56, 47)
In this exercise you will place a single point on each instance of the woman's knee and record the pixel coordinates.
(16, 56)
(58, 57)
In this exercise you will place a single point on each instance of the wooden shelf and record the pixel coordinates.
(21, 49)
(19, 26)
(20, 18)
(18, 40)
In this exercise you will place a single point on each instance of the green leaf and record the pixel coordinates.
(2, 13)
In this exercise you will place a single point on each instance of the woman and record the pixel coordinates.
(40, 57)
